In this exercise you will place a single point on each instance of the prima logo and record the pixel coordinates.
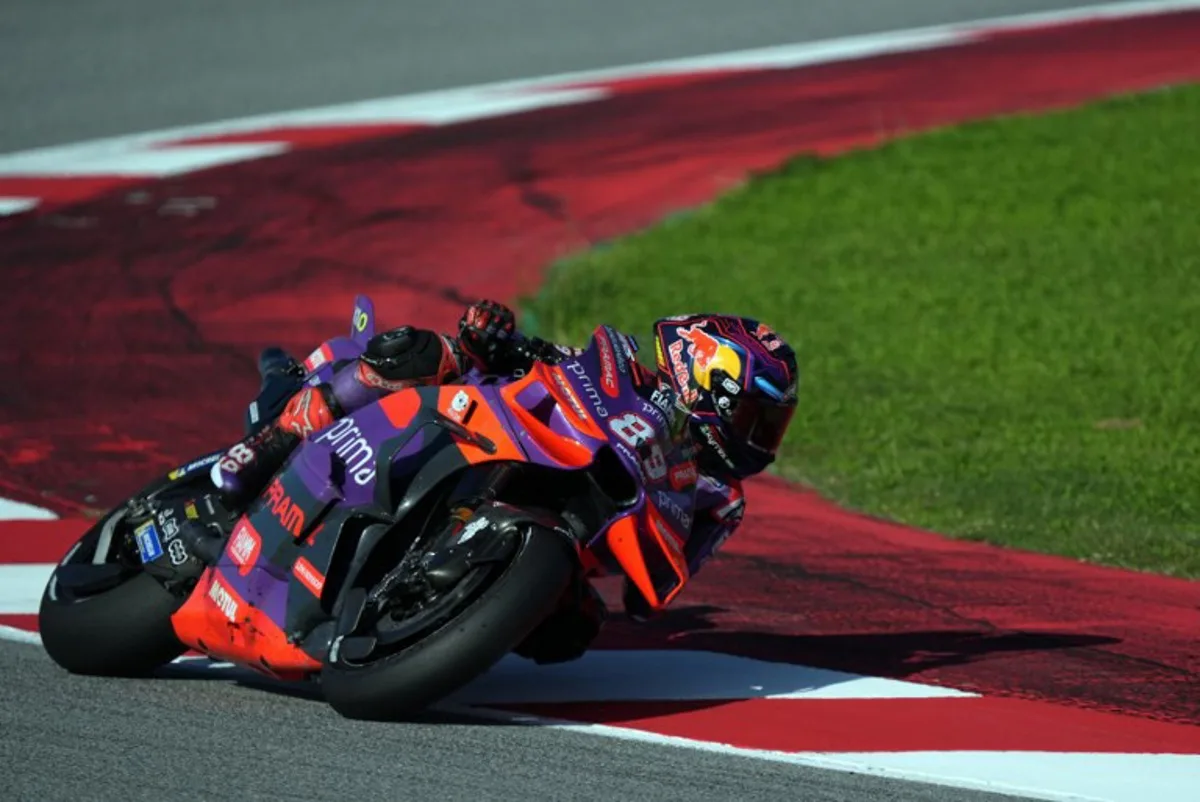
(589, 388)
(665, 501)
(351, 445)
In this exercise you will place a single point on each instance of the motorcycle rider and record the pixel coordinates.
(732, 378)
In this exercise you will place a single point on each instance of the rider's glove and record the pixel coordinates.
(485, 333)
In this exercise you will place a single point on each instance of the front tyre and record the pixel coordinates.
(122, 630)
(523, 595)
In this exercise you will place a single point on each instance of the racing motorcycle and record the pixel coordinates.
(403, 550)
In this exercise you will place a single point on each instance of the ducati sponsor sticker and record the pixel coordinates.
(148, 542)
(661, 399)
(458, 406)
(309, 576)
(193, 466)
(608, 365)
(683, 475)
(178, 552)
(170, 526)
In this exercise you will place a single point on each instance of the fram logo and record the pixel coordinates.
(244, 546)
(290, 516)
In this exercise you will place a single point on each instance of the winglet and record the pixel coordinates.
(362, 325)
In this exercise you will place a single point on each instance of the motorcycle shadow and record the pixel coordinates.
(896, 654)
(685, 662)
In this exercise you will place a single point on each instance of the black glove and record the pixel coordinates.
(485, 333)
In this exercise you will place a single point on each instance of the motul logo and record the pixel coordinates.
(220, 596)
(290, 516)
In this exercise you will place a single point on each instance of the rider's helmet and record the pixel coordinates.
(736, 380)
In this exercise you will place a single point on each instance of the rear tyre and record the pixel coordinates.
(491, 626)
(123, 631)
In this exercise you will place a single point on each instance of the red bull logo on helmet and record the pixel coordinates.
(708, 353)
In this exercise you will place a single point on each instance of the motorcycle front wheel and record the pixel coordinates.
(497, 614)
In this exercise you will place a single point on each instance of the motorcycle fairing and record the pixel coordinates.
(266, 591)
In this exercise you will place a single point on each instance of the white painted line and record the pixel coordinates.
(1113, 777)
(1054, 776)
(21, 587)
(677, 675)
(133, 161)
(17, 635)
(439, 108)
(14, 206)
(19, 510)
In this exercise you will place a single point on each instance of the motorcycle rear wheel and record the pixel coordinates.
(399, 685)
(122, 631)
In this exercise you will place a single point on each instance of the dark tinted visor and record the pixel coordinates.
(762, 424)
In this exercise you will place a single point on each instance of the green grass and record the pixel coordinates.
(998, 325)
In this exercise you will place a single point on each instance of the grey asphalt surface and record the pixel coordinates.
(177, 738)
(74, 70)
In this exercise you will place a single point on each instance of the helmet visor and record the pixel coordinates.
(761, 423)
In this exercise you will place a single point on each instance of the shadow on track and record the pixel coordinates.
(895, 655)
(683, 662)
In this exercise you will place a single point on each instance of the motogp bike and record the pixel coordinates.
(403, 550)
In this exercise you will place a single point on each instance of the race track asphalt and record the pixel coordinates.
(177, 738)
(71, 71)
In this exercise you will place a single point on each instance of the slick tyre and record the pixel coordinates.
(493, 624)
(122, 631)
